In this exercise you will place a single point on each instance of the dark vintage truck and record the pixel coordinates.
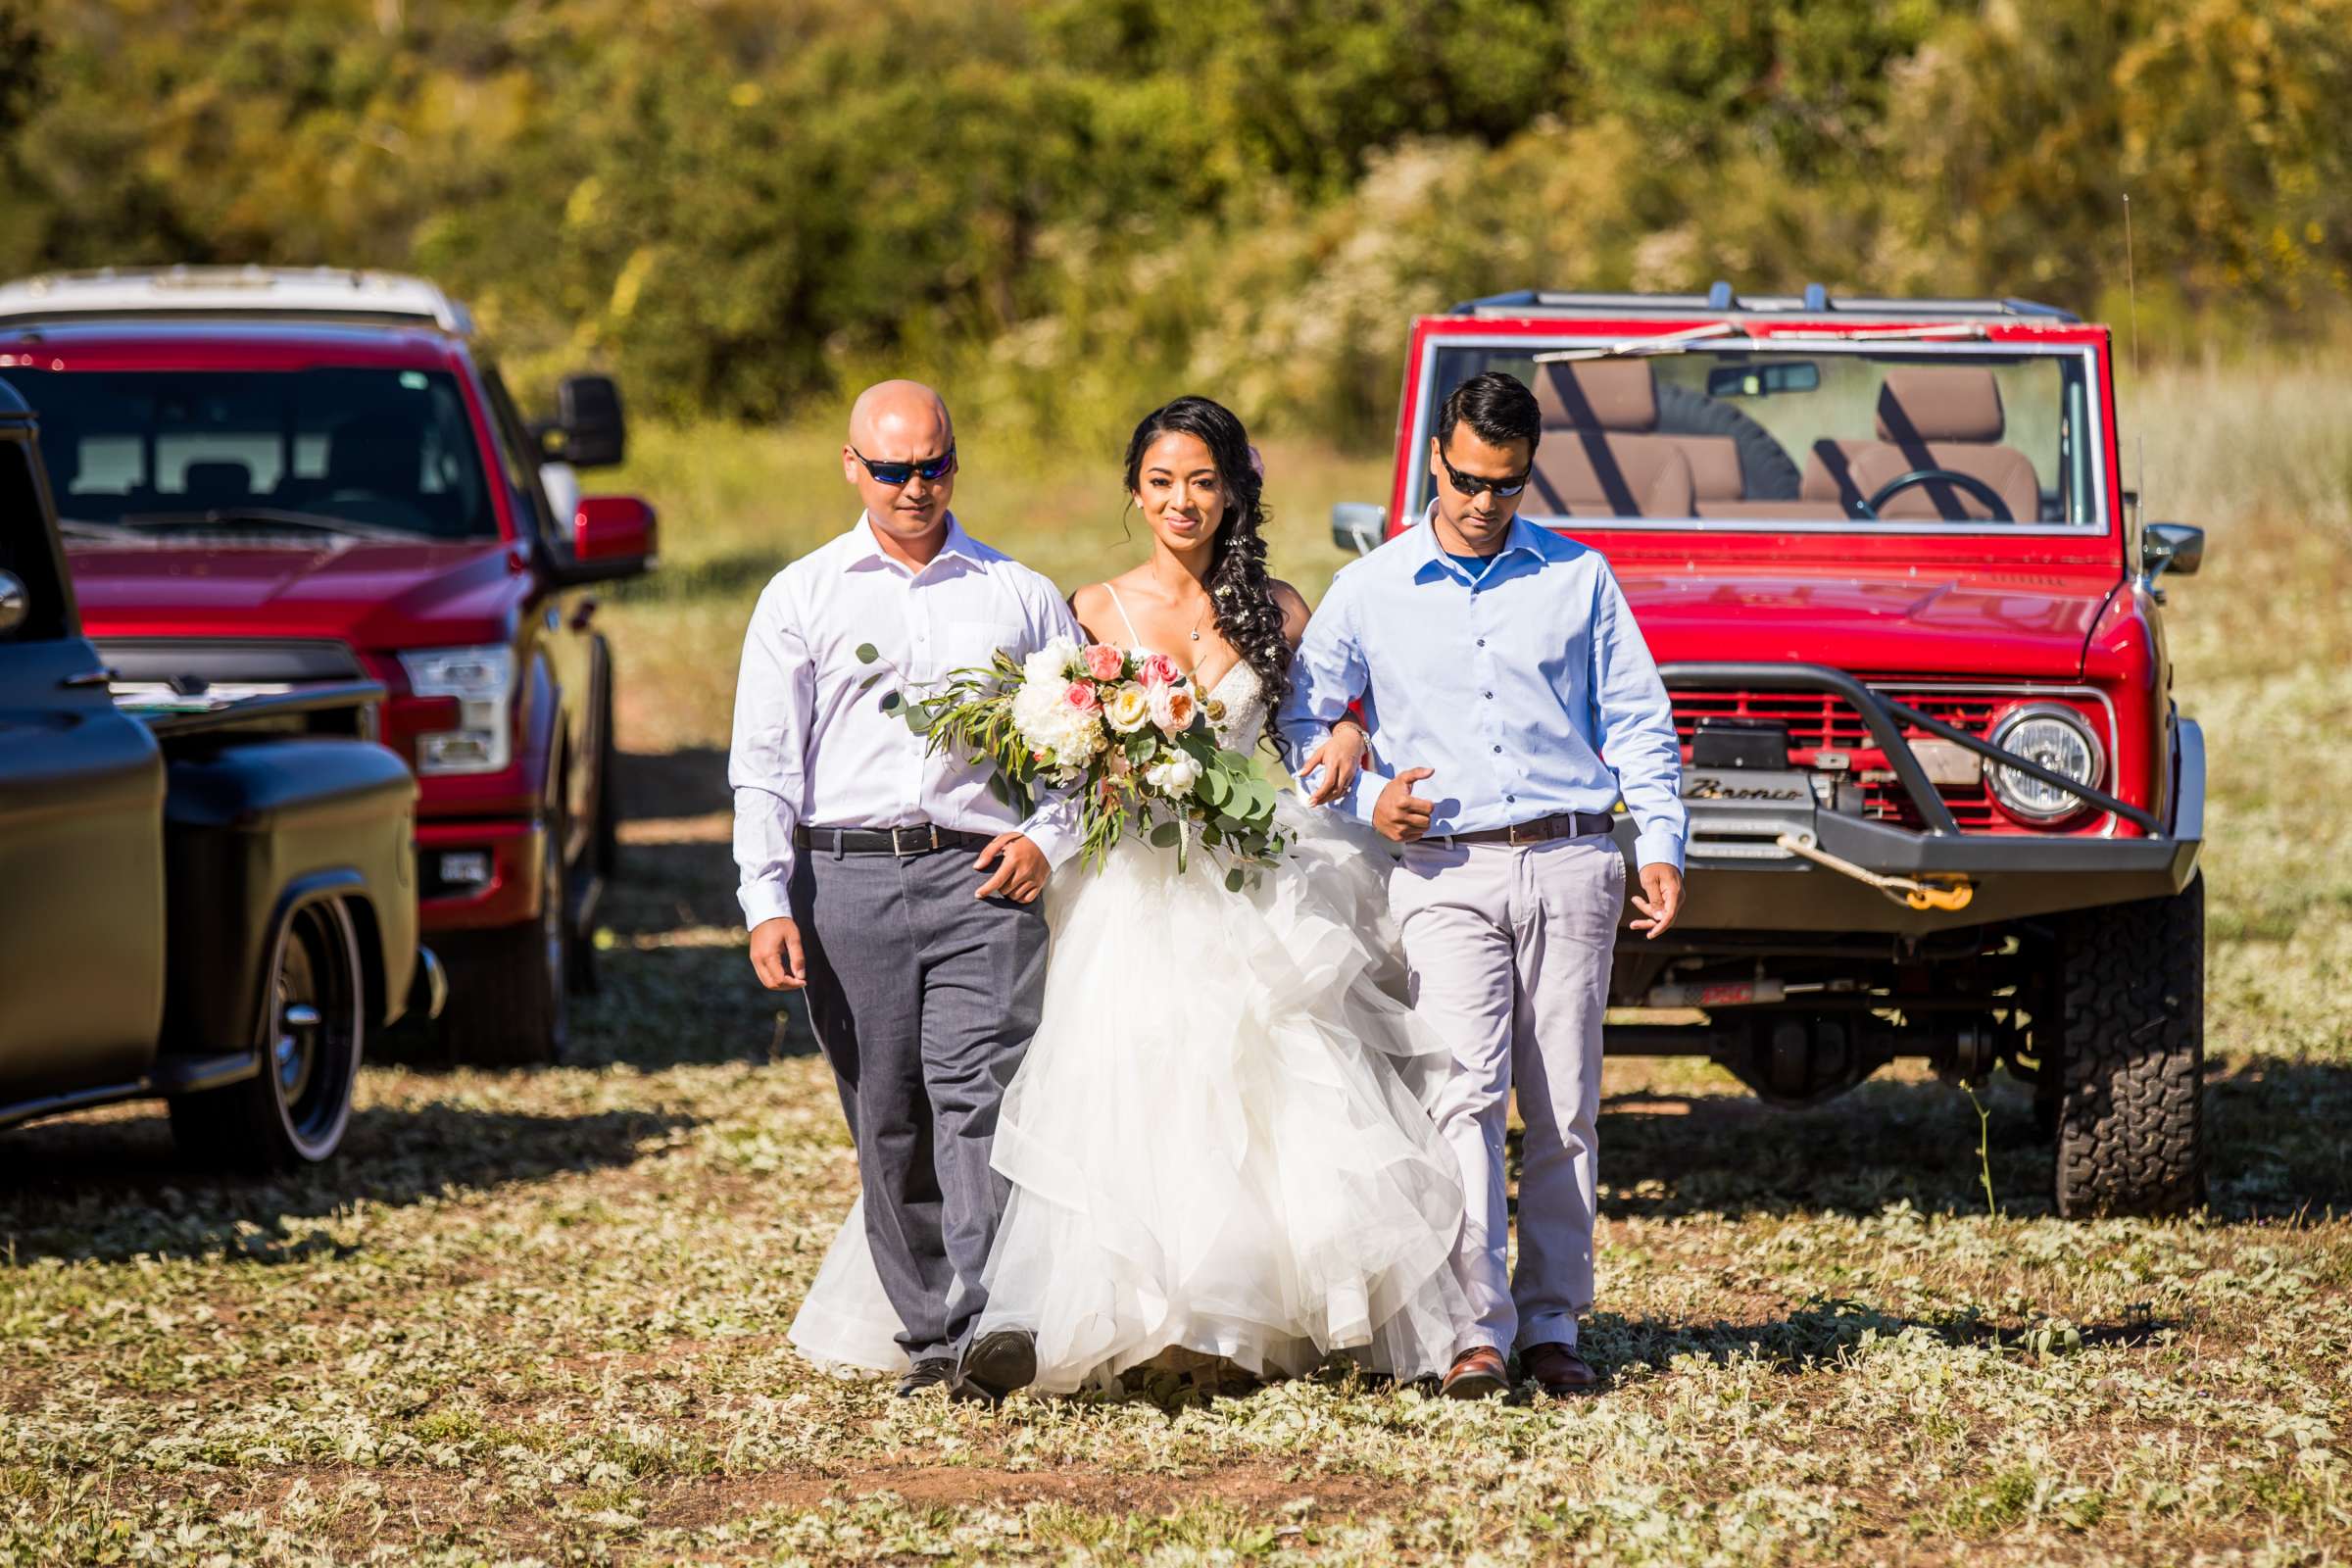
(211, 899)
(1943, 803)
(288, 477)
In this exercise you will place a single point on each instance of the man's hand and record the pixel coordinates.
(1022, 871)
(777, 955)
(1340, 756)
(1399, 814)
(1664, 884)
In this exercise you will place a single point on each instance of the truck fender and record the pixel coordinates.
(2188, 780)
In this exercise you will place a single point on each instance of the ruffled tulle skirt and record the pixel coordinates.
(1217, 1139)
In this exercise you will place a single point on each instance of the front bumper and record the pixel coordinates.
(513, 855)
(1741, 880)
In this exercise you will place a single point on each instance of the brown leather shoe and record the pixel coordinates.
(1557, 1370)
(1478, 1374)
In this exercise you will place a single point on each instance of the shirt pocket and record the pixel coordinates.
(974, 643)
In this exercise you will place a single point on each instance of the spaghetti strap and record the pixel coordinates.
(1133, 639)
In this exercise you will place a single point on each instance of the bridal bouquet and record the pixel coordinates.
(1126, 731)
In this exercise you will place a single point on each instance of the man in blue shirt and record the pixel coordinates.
(1499, 668)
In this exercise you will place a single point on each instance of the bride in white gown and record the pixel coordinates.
(1216, 1141)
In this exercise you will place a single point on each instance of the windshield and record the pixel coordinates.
(388, 451)
(1812, 434)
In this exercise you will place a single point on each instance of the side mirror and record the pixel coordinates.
(1357, 526)
(612, 536)
(15, 603)
(588, 413)
(2173, 547)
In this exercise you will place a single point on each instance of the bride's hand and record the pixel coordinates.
(1340, 756)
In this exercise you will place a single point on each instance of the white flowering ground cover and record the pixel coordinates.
(541, 1316)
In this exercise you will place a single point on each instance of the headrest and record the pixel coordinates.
(1598, 395)
(1955, 403)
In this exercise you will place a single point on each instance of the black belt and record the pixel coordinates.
(922, 839)
(1543, 829)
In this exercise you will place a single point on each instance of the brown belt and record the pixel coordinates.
(1543, 829)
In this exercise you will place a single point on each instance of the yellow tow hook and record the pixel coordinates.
(1945, 892)
(1949, 895)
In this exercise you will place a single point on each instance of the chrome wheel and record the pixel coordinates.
(313, 1026)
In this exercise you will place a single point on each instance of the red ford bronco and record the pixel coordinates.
(1942, 802)
(271, 479)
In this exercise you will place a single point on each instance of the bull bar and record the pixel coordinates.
(1745, 853)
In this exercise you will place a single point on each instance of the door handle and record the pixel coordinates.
(101, 676)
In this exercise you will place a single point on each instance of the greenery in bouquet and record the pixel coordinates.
(1125, 732)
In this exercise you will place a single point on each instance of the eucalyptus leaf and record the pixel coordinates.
(1165, 836)
(1232, 880)
(867, 653)
(891, 701)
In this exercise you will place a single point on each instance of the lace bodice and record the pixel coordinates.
(1243, 698)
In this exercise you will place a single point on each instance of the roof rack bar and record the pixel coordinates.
(1815, 300)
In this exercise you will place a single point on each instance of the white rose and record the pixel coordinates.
(1127, 709)
(1174, 777)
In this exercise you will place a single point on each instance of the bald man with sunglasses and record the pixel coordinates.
(889, 885)
(1501, 675)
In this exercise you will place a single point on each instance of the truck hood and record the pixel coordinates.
(370, 595)
(1981, 623)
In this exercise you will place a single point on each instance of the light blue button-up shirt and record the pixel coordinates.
(1514, 685)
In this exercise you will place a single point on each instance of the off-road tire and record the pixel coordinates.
(508, 1003)
(295, 1111)
(2131, 1058)
(1766, 470)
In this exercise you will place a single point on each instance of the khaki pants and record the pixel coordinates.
(1508, 949)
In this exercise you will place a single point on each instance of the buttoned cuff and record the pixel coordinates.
(1658, 847)
(763, 900)
(1364, 794)
(1053, 840)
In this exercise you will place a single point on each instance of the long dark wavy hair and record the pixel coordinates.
(1240, 593)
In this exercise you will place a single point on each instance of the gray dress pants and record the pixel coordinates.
(923, 999)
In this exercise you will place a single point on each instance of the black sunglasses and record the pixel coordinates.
(1470, 485)
(932, 469)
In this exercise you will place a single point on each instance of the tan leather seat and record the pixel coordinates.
(1601, 455)
(1930, 416)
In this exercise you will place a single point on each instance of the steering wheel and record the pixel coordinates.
(1918, 477)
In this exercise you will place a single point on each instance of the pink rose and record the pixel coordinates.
(1104, 662)
(1172, 709)
(1080, 695)
(1159, 670)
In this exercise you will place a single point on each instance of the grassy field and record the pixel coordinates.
(542, 1315)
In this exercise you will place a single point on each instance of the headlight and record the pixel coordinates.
(482, 680)
(2056, 738)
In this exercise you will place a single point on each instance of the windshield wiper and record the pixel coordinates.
(226, 517)
(1642, 348)
(100, 532)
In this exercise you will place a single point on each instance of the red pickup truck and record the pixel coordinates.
(1942, 802)
(269, 479)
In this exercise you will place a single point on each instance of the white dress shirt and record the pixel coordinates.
(812, 744)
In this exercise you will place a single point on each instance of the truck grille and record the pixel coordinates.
(1823, 721)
